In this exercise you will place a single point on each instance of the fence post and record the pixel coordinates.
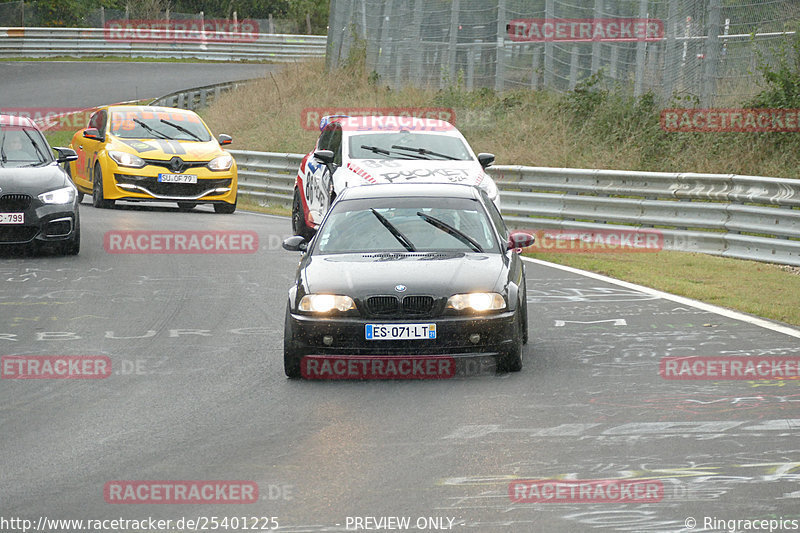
(641, 55)
(535, 62)
(470, 67)
(500, 70)
(548, 48)
(573, 66)
(598, 13)
(452, 41)
(415, 70)
(671, 63)
(712, 54)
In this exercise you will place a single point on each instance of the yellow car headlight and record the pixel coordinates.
(477, 301)
(222, 162)
(325, 303)
(124, 159)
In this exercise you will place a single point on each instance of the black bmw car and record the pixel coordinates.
(38, 202)
(399, 270)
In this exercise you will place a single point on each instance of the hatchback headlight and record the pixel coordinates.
(325, 303)
(64, 195)
(477, 301)
(124, 159)
(222, 162)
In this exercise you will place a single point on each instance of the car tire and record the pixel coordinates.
(511, 359)
(226, 209)
(291, 357)
(187, 206)
(299, 226)
(524, 304)
(80, 196)
(98, 198)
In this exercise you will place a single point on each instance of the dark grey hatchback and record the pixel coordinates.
(398, 270)
(38, 202)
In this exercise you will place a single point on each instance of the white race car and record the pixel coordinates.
(365, 150)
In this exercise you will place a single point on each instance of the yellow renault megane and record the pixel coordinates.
(141, 153)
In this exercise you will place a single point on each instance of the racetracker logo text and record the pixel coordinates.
(51, 118)
(333, 367)
(208, 30)
(582, 30)
(596, 241)
(310, 117)
(55, 366)
(586, 491)
(171, 492)
(729, 368)
(180, 242)
(719, 120)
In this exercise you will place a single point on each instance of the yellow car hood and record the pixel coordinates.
(165, 149)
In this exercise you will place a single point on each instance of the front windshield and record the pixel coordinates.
(174, 125)
(23, 147)
(408, 145)
(406, 225)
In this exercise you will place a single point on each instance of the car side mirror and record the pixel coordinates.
(296, 243)
(224, 139)
(65, 154)
(519, 239)
(92, 133)
(485, 159)
(324, 156)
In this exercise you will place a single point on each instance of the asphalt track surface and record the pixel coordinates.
(197, 392)
(85, 84)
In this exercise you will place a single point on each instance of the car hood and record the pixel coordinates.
(437, 274)
(31, 180)
(165, 150)
(370, 171)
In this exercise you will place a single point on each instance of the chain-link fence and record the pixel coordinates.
(704, 48)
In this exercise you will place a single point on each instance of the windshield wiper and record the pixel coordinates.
(42, 157)
(3, 157)
(402, 239)
(181, 128)
(151, 129)
(376, 150)
(447, 228)
(424, 151)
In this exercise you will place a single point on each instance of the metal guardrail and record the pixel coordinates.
(93, 42)
(197, 97)
(746, 217)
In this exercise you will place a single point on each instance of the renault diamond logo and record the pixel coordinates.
(400, 288)
(176, 164)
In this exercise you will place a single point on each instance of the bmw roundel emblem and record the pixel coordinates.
(400, 288)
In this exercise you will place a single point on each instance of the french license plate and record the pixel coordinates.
(392, 332)
(12, 218)
(177, 178)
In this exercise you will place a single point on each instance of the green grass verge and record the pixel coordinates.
(766, 290)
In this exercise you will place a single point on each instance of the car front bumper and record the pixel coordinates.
(43, 223)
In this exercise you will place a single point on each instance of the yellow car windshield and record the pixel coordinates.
(176, 125)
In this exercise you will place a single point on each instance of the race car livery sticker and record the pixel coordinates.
(170, 147)
(453, 175)
(361, 172)
(139, 146)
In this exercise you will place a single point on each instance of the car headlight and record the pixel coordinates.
(325, 303)
(477, 301)
(64, 195)
(222, 162)
(124, 159)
